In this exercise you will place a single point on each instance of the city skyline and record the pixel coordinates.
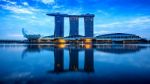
(111, 16)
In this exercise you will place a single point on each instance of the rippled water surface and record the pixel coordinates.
(74, 64)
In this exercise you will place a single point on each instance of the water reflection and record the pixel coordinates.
(75, 63)
(74, 55)
(89, 60)
(59, 60)
(58, 51)
(119, 49)
(74, 50)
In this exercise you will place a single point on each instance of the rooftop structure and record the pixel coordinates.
(66, 15)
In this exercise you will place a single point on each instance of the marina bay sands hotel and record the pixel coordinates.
(74, 24)
(74, 36)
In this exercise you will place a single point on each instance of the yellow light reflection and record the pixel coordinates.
(61, 45)
(88, 46)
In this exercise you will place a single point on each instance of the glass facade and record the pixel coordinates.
(74, 26)
(88, 25)
(59, 26)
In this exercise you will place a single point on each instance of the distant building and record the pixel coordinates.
(118, 37)
(30, 36)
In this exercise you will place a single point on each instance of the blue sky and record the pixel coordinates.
(111, 16)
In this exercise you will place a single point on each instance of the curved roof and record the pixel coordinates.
(118, 34)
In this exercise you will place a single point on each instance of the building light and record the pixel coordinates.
(61, 41)
(88, 40)
(61, 45)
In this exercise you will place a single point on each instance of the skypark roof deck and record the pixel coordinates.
(66, 15)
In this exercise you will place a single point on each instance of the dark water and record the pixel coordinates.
(74, 64)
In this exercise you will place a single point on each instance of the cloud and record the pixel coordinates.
(17, 9)
(132, 23)
(57, 6)
(48, 1)
(140, 20)
(108, 25)
(9, 2)
(102, 12)
(68, 11)
(18, 17)
(101, 32)
(25, 3)
(137, 25)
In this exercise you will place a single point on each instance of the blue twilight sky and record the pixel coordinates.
(111, 16)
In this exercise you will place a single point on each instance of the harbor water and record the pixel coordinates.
(74, 64)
